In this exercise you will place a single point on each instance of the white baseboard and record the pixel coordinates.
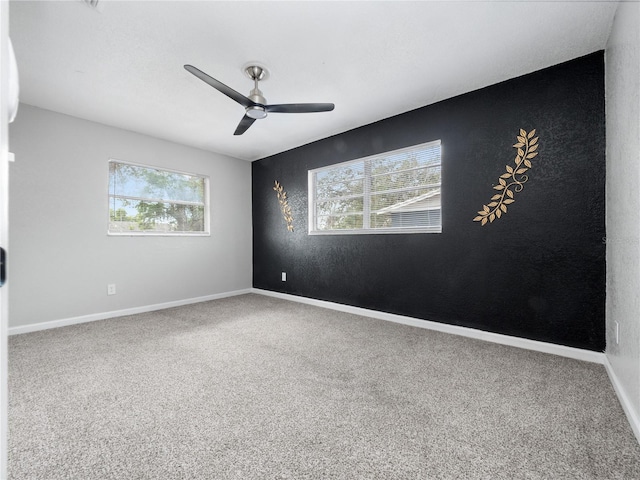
(627, 406)
(570, 352)
(34, 327)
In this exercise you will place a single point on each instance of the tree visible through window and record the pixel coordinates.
(152, 200)
(394, 192)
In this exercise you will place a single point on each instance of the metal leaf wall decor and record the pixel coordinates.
(514, 178)
(284, 205)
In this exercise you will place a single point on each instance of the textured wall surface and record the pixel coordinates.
(61, 256)
(623, 200)
(538, 272)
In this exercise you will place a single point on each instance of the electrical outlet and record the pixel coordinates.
(111, 289)
(284, 276)
(617, 333)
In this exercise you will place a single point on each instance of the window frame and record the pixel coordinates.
(311, 189)
(147, 233)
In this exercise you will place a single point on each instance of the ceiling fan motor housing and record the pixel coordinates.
(256, 111)
(256, 73)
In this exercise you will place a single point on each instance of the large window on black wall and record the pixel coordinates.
(393, 192)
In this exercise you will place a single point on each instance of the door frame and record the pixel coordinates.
(4, 229)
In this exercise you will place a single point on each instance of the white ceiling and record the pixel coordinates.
(122, 65)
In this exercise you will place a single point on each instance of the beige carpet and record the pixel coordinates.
(253, 387)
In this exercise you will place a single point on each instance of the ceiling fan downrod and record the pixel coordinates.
(257, 112)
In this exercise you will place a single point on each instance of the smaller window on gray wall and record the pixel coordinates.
(392, 192)
(146, 200)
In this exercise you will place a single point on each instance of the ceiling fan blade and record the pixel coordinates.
(300, 108)
(221, 87)
(244, 124)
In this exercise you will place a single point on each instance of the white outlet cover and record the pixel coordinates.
(284, 276)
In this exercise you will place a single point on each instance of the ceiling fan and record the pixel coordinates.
(255, 104)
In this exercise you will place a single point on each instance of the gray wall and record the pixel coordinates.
(61, 257)
(623, 200)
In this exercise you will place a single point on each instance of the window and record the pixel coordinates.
(147, 200)
(393, 192)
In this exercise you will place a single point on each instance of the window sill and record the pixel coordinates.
(377, 231)
(157, 234)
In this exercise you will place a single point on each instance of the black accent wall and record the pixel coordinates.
(538, 272)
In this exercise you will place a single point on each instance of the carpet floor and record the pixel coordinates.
(253, 387)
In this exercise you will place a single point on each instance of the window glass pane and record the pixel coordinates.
(402, 160)
(150, 200)
(340, 182)
(340, 173)
(380, 220)
(140, 216)
(340, 222)
(423, 218)
(352, 205)
(415, 199)
(144, 182)
(406, 178)
(396, 190)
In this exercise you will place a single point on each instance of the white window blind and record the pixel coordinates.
(148, 200)
(394, 192)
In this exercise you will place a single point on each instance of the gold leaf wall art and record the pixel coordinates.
(284, 205)
(512, 180)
